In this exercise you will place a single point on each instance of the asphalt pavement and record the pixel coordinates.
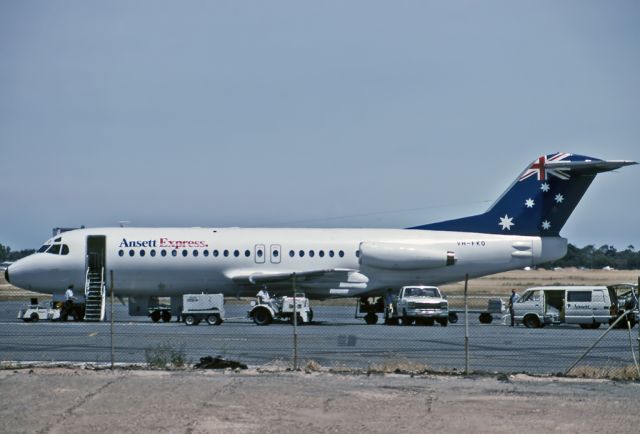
(335, 338)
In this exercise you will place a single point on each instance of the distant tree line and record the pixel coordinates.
(6, 254)
(588, 257)
(603, 256)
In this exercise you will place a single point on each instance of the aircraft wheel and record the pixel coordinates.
(166, 316)
(34, 317)
(371, 318)
(190, 320)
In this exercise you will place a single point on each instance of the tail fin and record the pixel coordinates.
(539, 201)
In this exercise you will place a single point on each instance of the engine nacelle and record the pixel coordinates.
(396, 256)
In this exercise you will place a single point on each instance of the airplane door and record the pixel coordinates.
(275, 253)
(259, 253)
(96, 248)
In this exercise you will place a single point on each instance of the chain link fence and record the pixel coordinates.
(335, 339)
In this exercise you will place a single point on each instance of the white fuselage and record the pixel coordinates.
(173, 261)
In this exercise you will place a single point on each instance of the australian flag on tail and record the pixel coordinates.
(540, 200)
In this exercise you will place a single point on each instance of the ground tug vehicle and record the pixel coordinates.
(57, 309)
(281, 308)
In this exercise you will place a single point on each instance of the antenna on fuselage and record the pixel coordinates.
(124, 223)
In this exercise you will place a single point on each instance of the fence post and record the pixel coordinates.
(466, 326)
(111, 297)
(295, 325)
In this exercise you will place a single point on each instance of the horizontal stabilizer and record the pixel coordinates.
(588, 166)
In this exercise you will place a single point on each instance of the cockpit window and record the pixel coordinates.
(54, 250)
(43, 248)
(65, 249)
(57, 240)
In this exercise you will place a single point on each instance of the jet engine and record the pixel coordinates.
(396, 256)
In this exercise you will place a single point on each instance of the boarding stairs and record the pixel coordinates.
(94, 292)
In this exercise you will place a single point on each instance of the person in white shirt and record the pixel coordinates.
(263, 296)
(68, 295)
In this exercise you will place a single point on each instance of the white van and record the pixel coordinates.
(588, 306)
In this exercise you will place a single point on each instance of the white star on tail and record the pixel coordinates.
(546, 225)
(544, 187)
(529, 203)
(506, 222)
(559, 198)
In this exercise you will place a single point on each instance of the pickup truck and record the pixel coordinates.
(419, 304)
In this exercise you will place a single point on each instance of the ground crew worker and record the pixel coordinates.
(514, 298)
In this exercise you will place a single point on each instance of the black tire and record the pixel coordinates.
(453, 317)
(429, 322)
(78, 313)
(531, 321)
(310, 315)
(443, 322)
(371, 318)
(592, 326)
(262, 317)
(213, 319)
(34, 317)
(155, 316)
(166, 316)
(190, 320)
(485, 318)
(406, 321)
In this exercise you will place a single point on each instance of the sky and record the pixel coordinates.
(309, 114)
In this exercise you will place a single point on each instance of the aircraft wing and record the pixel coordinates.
(308, 276)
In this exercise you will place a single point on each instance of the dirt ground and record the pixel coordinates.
(60, 400)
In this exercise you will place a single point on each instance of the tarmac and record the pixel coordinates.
(63, 400)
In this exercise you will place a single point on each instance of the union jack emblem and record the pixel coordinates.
(537, 168)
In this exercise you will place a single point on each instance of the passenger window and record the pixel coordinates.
(163, 252)
(331, 253)
(341, 253)
(236, 253)
(142, 252)
(579, 296)
(205, 253)
(120, 252)
(292, 253)
(65, 249)
(184, 252)
(152, 253)
(247, 253)
(275, 253)
(226, 253)
(174, 252)
(301, 253)
(215, 253)
(195, 253)
(321, 253)
(131, 253)
(259, 253)
(311, 253)
(357, 253)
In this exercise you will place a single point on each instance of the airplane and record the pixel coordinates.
(522, 228)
